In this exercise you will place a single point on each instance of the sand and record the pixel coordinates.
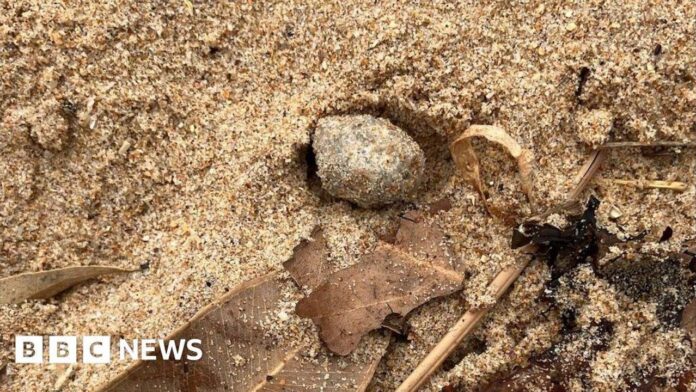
(175, 134)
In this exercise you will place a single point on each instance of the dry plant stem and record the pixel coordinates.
(64, 377)
(463, 328)
(588, 172)
(642, 184)
(646, 144)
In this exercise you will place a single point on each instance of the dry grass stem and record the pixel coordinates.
(582, 180)
(62, 380)
(646, 184)
(646, 144)
(588, 171)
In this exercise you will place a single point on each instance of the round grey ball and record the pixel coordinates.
(367, 160)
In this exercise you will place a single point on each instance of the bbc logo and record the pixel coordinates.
(97, 349)
(62, 349)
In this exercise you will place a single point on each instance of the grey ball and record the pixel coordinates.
(367, 160)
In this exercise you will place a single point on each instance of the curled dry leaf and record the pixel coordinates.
(468, 163)
(242, 354)
(45, 284)
(357, 299)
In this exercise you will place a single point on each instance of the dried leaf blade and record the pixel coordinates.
(45, 284)
(308, 265)
(423, 241)
(357, 299)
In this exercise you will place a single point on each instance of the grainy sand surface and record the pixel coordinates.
(172, 133)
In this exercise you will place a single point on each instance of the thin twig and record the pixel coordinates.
(466, 324)
(64, 378)
(588, 172)
(646, 144)
(642, 184)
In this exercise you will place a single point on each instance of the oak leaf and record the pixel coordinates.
(308, 265)
(357, 299)
(423, 241)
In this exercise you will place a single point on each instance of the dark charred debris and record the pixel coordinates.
(667, 281)
(553, 369)
(565, 248)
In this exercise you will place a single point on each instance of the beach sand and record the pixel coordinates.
(175, 135)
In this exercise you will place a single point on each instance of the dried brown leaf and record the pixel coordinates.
(423, 241)
(357, 299)
(441, 205)
(241, 354)
(45, 284)
(430, 210)
(328, 374)
(308, 265)
(467, 161)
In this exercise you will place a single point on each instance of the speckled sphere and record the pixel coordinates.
(367, 160)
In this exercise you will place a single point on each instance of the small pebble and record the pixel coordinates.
(125, 146)
(367, 160)
(615, 213)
